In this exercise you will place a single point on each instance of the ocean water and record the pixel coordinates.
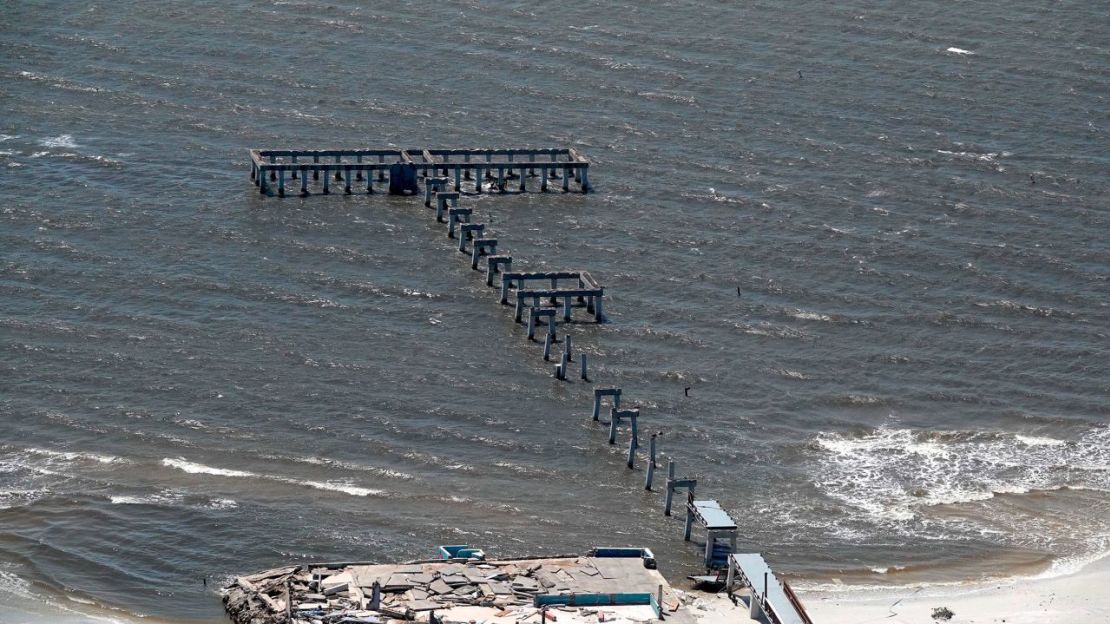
(869, 237)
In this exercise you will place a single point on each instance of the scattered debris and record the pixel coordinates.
(942, 614)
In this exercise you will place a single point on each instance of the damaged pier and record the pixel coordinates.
(357, 169)
(618, 585)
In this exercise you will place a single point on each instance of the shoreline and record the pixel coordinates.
(1076, 598)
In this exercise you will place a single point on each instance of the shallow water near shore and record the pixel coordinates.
(880, 266)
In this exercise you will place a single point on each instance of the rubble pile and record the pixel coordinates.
(346, 594)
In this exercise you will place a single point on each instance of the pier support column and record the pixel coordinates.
(466, 174)
(532, 326)
(293, 172)
(358, 174)
(522, 178)
(501, 179)
(543, 183)
(315, 172)
(281, 183)
(566, 309)
(566, 179)
(602, 392)
(261, 181)
(567, 341)
(633, 444)
(458, 179)
(347, 179)
(327, 177)
(547, 347)
(582, 365)
(689, 524)
(584, 179)
(670, 488)
(338, 170)
(478, 180)
(381, 172)
(273, 174)
(370, 181)
(599, 315)
(304, 182)
(519, 308)
(614, 420)
(650, 464)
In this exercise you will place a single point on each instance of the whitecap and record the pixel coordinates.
(960, 51)
(334, 486)
(194, 468)
(62, 140)
(1039, 441)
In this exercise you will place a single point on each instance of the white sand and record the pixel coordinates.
(1080, 598)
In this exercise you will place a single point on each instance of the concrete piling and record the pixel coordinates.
(481, 247)
(347, 180)
(567, 346)
(468, 231)
(670, 491)
(651, 463)
(493, 266)
(325, 190)
(443, 200)
(304, 182)
(615, 393)
(315, 171)
(281, 183)
(582, 366)
(431, 185)
(549, 318)
(547, 347)
(457, 215)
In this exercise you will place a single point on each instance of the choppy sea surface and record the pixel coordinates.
(871, 238)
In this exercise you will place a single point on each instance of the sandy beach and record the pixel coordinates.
(1080, 598)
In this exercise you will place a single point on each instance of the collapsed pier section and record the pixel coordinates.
(359, 169)
(607, 585)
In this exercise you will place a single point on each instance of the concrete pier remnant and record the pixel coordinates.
(673, 485)
(404, 167)
(615, 393)
(482, 247)
(431, 186)
(442, 201)
(587, 293)
(495, 264)
(457, 215)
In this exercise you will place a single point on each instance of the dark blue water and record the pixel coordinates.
(195, 380)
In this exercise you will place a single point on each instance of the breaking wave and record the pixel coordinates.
(892, 474)
(332, 486)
